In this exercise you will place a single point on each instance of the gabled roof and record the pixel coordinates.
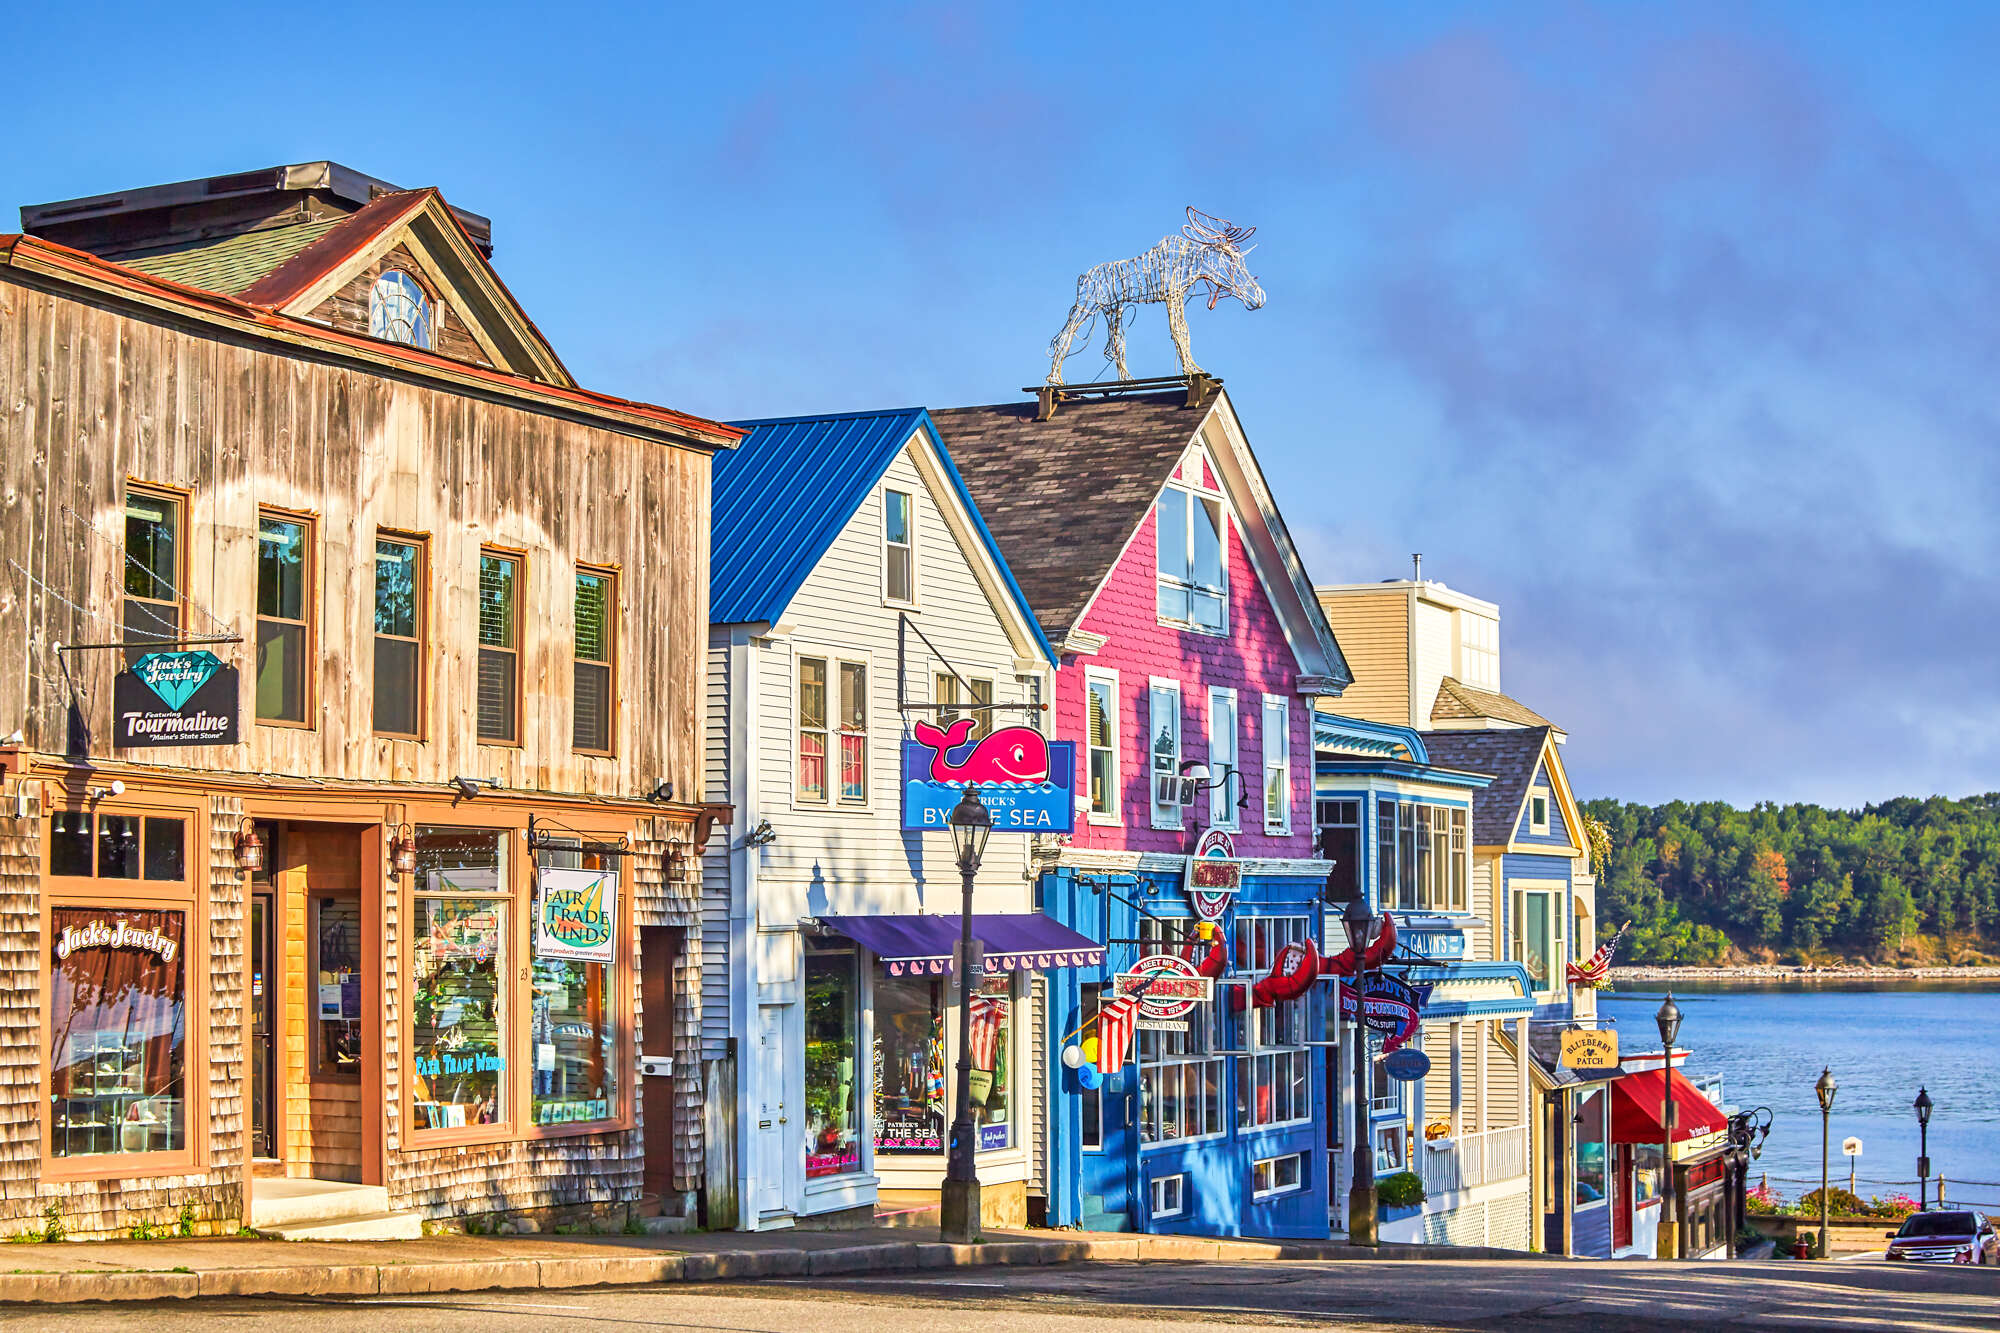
(1455, 699)
(1511, 755)
(1065, 496)
(50, 262)
(781, 497)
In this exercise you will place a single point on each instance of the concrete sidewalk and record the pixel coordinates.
(181, 1269)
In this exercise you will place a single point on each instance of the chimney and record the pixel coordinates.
(1417, 565)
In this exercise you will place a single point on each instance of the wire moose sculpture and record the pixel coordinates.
(1209, 251)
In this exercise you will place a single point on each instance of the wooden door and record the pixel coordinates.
(659, 959)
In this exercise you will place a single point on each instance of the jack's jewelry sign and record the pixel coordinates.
(174, 699)
(576, 914)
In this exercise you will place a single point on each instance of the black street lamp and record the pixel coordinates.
(1923, 1105)
(1825, 1089)
(1362, 926)
(1669, 1021)
(959, 1203)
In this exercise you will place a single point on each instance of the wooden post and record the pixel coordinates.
(719, 1163)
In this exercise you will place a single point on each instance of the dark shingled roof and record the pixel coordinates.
(1025, 476)
(1509, 755)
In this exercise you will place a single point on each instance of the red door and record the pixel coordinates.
(1621, 1199)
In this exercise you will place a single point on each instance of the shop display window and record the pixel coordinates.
(992, 1092)
(1645, 1172)
(576, 1043)
(1590, 1147)
(117, 1031)
(459, 965)
(574, 1036)
(909, 1064)
(336, 998)
(832, 1018)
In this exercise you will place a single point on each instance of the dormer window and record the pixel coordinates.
(1191, 528)
(398, 310)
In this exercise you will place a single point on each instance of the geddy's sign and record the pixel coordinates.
(174, 699)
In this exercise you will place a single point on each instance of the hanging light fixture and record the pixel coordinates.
(249, 849)
(403, 852)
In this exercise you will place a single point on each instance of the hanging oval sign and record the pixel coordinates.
(1168, 987)
(1406, 1065)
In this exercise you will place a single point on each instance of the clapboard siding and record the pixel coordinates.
(1435, 650)
(1373, 629)
(835, 858)
(94, 395)
(715, 880)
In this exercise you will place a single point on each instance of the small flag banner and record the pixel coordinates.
(986, 1017)
(1115, 1022)
(1596, 971)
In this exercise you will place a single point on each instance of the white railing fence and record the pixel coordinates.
(1475, 1159)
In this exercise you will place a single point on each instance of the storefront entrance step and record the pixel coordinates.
(279, 1202)
(371, 1226)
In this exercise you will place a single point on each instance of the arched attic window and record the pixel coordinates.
(398, 310)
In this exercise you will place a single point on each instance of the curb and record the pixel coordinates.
(397, 1279)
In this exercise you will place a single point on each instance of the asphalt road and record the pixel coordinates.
(1127, 1298)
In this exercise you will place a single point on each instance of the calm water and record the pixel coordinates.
(1882, 1039)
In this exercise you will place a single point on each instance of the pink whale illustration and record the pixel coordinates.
(1011, 754)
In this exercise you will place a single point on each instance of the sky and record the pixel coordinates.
(1670, 329)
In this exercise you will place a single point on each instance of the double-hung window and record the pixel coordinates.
(1228, 789)
(284, 600)
(1273, 1085)
(951, 693)
(154, 548)
(853, 722)
(812, 730)
(1277, 764)
(1538, 937)
(596, 645)
(899, 551)
(1163, 725)
(399, 636)
(1388, 886)
(1459, 868)
(1180, 1077)
(1100, 692)
(1193, 592)
(1340, 842)
(499, 647)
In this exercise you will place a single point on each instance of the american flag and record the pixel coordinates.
(1597, 968)
(987, 1016)
(1115, 1022)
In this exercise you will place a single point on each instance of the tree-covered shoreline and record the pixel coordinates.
(1707, 883)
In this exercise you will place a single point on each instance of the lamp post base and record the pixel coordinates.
(958, 1212)
(1361, 1215)
(1669, 1240)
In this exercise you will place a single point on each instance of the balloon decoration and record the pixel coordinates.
(1072, 1056)
(1090, 1050)
(1091, 1077)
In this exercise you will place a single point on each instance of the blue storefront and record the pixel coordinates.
(1216, 1125)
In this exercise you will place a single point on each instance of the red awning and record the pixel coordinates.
(1635, 1110)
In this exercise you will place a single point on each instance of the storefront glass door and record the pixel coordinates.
(263, 985)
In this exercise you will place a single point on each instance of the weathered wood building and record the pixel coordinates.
(286, 471)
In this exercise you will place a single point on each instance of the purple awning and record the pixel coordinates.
(919, 943)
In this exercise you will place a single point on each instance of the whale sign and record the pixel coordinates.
(1025, 781)
(174, 699)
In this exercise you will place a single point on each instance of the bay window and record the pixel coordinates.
(1273, 1086)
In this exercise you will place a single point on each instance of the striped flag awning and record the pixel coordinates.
(921, 943)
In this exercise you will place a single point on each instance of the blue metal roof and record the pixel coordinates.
(781, 496)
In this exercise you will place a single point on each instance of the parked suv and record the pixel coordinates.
(1945, 1237)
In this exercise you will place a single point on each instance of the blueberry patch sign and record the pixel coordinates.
(174, 699)
(575, 915)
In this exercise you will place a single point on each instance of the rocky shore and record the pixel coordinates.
(1788, 972)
